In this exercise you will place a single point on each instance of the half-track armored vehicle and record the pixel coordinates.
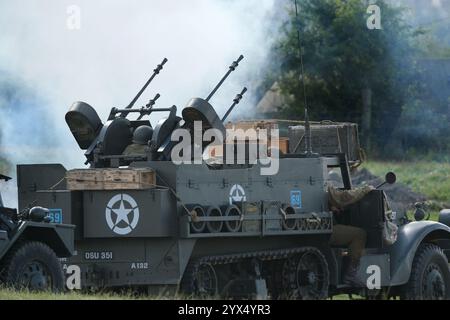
(31, 243)
(218, 228)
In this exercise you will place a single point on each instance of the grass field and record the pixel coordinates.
(10, 294)
(430, 178)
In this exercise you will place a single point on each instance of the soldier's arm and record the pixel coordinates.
(344, 198)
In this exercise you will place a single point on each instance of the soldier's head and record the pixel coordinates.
(142, 135)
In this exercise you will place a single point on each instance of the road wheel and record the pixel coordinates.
(430, 275)
(33, 266)
(200, 280)
(306, 276)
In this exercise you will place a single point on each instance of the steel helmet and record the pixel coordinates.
(142, 135)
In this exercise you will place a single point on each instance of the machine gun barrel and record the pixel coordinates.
(155, 72)
(152, 102)
(142, 110)
(235, 103)
(150, 105)
(233, 67)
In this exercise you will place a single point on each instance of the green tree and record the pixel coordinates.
(346, 63)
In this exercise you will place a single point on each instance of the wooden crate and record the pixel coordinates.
(258, 124)
(110, 179)
(328, 139)
(284, 145)
(249, 139)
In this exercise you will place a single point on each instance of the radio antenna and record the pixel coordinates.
(308, 140)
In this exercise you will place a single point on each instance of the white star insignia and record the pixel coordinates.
(122, 213)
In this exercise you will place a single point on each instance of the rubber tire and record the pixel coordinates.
(29, 251)
(425, 254)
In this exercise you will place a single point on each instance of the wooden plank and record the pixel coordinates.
(246, 125)
(284, 145)
(111, 179)
(84, 180)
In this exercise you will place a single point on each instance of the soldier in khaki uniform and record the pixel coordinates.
(343, 235)
(135, 149)
(141, 137)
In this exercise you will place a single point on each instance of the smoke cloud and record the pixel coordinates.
(47, 63)
(113, 53)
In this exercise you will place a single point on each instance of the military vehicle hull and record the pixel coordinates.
(211, 229)
(159, 246)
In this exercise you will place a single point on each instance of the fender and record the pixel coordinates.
(59, 237)
(410, 236)
(185, 249)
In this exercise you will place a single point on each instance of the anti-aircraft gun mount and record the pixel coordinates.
(31, 241)
(104, 143)
(227, 230)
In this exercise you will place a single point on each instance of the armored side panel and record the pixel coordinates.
(65, 207)
(140, 249)
(296, 177)
(84, 123)
(150, 213)
(300, 184)
(31, 178)
(201, 110)
(369, 215)
(120, 262)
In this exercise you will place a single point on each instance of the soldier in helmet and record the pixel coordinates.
(141, 136)
(343, 235)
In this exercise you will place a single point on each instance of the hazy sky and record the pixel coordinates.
(118, 45)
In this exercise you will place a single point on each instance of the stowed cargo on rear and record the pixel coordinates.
(215, 227)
